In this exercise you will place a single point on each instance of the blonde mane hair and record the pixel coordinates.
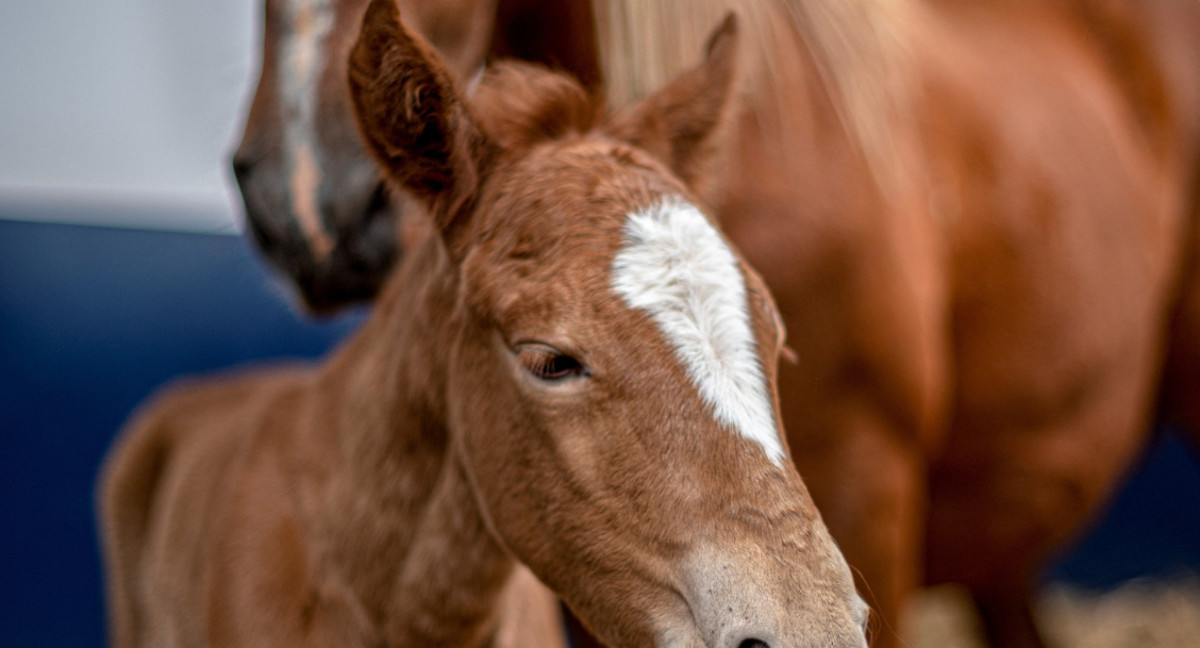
(861, 49)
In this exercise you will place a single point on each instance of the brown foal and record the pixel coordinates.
(570, 371)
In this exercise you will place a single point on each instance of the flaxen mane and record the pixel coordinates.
(861, 49)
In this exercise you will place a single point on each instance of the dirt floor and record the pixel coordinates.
(1150, 614)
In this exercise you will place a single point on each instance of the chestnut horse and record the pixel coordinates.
(570, 369)
(979, 221)
(316, 205)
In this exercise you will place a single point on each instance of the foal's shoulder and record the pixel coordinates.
(226, 389)
(194, 408)
(184, 421)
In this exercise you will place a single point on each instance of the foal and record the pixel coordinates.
(571, 370)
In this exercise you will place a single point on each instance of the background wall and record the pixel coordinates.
(92, 320)
(125, 102)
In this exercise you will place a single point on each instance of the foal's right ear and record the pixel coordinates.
(413, 119)
(679, 123)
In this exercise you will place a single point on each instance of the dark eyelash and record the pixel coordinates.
(549, 365)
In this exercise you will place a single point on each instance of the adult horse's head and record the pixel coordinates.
(610, 387)
(315, 202)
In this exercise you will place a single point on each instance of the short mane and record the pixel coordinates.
(520, 104)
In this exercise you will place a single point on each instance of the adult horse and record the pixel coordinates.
(978, 220)
(316, 205)
(571, 368)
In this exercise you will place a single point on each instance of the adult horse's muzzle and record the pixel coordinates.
(336, 246)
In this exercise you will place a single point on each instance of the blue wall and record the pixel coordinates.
(93, 319)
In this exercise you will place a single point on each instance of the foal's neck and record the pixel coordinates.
(402, 525)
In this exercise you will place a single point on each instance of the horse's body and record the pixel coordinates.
(979, 222)
(979, 280)
(569, 369)
(978, 256)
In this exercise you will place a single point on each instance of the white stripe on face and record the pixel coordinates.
(675, 266)
(311, 21)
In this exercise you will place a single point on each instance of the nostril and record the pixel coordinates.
(241, 167)
(378, 206)
(754, 643)
(266, 242)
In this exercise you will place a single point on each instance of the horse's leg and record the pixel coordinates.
(1007, 617)
(1007, 497)
(1182, 388)
(1181, 385)
(578, 635)
(869, 485)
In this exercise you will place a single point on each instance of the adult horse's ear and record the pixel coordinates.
(413, 119)
(679, 123)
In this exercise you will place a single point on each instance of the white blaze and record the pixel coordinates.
(675, 266)
(299, 80)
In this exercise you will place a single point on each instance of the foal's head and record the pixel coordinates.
(611, 390)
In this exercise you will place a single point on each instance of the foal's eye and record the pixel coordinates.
(549, 364)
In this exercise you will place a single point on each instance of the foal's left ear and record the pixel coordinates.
(677, 123)
(413, 119)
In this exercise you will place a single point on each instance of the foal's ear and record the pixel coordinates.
(677, 123)
(413, 119)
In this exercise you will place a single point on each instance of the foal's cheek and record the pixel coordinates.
(492, 423)
(523, 468)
